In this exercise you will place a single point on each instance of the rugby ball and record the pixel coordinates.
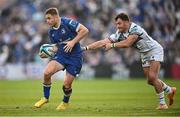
(46, 49)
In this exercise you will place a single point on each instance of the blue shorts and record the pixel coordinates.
(72, 64)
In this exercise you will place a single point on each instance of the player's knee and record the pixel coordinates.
(152, 75)
(67, 91)
(150, 81)
(151, 78)
(47, 73)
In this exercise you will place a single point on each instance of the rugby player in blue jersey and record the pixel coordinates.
(66, 34)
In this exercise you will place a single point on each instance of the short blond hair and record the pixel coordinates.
(52, 11)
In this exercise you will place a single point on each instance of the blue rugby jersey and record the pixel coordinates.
(65, 32)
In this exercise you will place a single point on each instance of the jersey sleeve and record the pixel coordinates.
(115, 37)
(136, 30)
(72, 24)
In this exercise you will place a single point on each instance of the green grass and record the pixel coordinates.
(90, 98)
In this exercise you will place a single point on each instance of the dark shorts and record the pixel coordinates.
(71, 64)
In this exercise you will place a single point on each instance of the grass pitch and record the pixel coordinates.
(89, 98)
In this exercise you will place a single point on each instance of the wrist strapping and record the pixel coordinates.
(113, 45)
(86, 48)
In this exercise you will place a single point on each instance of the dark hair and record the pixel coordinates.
(122, 16)
(52, 11)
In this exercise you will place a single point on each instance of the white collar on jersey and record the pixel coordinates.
(58, 25)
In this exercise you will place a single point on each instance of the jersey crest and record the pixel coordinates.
(63, 31)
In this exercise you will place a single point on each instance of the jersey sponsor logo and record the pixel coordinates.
(152, 58)
(63, 31)
(64, 42)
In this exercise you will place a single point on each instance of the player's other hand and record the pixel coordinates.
(69, 46)
(54, 49)
(108, 46)
(42, 55)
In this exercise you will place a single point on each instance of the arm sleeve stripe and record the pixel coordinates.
(110, 39)
(70, 21)
(77, 28)
(136, 33)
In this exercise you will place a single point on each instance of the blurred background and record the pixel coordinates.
(23, 30)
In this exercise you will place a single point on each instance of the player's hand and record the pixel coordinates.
(108, 46)
(54, 49)
(69, 46)
(42, 55)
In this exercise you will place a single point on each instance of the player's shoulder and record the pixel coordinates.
(65, 20)
(135, 28)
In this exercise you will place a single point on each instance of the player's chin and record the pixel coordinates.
(51, 25)
(121, 30)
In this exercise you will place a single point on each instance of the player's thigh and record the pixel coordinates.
(53, 67)
(145, 60)
(72, 71)
(154, 68)
(146, 71)
(69, 78)
(151, 62)
(73, 68)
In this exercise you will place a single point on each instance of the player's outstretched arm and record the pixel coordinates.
(124, 43)
(97, 44)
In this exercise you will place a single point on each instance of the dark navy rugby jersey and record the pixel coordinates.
(65, 32)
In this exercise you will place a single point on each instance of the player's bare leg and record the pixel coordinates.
(151, 73)
(52, 67)
(67, 89)
(167, 89)
(153, 80)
